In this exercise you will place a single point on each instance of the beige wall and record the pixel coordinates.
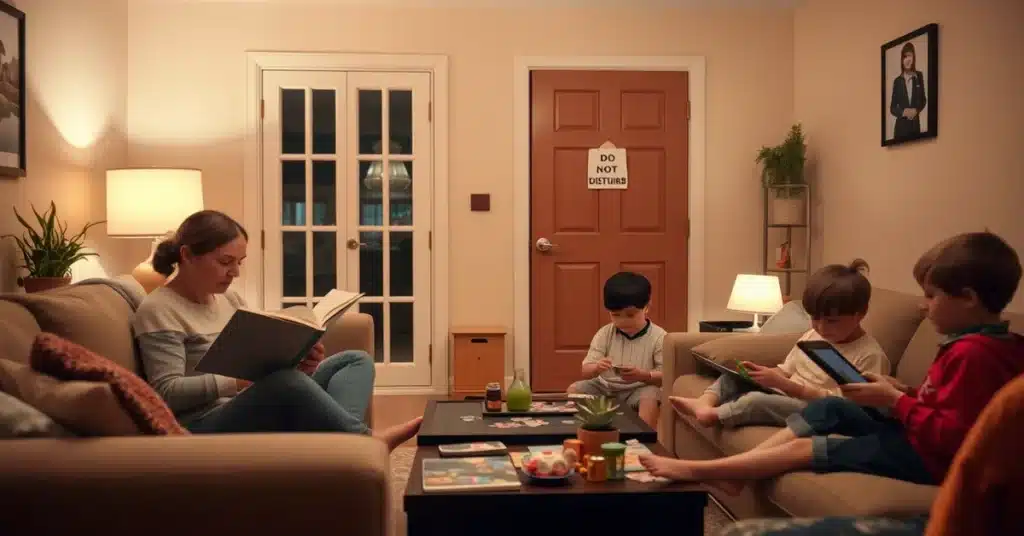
(888, 205)
(173, 76)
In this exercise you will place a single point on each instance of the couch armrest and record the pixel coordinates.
(350, 331)
(306, 484)
(677, 361)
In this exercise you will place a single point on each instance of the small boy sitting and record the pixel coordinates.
(836, 297)
(624, 360)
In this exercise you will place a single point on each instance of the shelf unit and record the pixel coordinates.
(790, 230)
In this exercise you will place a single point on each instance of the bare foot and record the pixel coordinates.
(680, 470)
(696, 408)
(400, 433)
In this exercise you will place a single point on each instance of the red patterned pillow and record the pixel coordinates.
(65, 360)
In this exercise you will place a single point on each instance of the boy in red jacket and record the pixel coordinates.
(967, 280)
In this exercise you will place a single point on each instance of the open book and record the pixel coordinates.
(256, 343)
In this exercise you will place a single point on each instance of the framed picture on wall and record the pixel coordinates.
(910, 87)
(12, 91)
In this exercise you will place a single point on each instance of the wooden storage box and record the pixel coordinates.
(478, 358)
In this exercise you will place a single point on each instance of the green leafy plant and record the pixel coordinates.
(783, 165)
(49, 251)
(596, 413)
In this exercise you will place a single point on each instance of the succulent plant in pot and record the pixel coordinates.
(48, 252)
(596, 416)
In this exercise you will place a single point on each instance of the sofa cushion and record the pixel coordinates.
(85, 408)
(68, 361)
(20, 329)
(805, 494)
(94, 316)
(18, 419)
(892, 319)
(762, 348)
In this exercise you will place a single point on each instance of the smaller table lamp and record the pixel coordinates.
(757, 294)
(151, 203)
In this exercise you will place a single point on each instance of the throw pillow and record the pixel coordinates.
(762, 348)
(18, 419)
(792, 318)
(66, 360)
(86, 408)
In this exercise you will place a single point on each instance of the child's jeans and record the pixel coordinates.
(828, 526)
(630, 397)
(740, 407)
(873, 446)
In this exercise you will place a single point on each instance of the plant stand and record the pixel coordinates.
(787, 209)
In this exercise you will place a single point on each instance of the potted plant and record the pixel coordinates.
(782, 174)
(49, 252)
(596, 428)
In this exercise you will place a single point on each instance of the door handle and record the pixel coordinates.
(544, 245)
(354, 244)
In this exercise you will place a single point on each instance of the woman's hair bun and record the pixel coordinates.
(166, 256)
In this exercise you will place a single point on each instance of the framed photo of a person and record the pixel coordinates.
(12, 91)
(910, 87)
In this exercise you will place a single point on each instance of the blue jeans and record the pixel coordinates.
(333, 399)
(874, 446)
(829, 526)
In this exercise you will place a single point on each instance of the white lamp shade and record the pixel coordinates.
(150, 202)
(755, 294)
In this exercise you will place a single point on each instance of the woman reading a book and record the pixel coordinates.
(178, 322)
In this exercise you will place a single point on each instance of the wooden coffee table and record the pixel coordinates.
(443, 425)
(579, 507)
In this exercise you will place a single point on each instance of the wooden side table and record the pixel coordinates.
(478, 358)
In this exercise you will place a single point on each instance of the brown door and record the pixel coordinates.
(595, 233)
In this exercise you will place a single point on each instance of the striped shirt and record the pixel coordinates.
(642, 350)
(173, 333)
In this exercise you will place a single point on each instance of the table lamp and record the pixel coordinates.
(757, 294)
(151, 203)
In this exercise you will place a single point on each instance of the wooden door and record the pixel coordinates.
(595, 233)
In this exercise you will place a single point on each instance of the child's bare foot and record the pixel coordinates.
(696, 408)
(680, 470)
(400, 433)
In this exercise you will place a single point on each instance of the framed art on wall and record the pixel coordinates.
(12, 91)
(910, 87)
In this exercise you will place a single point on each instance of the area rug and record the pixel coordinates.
(401, 463)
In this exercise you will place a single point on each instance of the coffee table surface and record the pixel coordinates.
(607, 507)
(443, 425)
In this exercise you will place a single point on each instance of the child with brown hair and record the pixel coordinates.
(967, 281)
(836, 297)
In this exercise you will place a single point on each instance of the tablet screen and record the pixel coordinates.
(839, 365)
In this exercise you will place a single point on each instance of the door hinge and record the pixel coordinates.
(263, 239)
(263, 108)
(430, 239)
(430, 354)
(430, 111)
(687, 110)
(687, 228)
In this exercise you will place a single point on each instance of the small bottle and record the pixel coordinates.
(493, 397)
(519, 397)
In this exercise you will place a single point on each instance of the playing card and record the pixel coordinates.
(645, 477)
(521, 419)
(468, 418)
(533, 423)
(569, 421)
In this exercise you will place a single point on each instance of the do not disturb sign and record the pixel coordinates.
(606, 168)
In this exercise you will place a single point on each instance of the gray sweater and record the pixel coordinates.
(173, 334)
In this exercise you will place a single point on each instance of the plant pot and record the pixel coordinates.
(593, 439)
(789, 211)
(39, 284)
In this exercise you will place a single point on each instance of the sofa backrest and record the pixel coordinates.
(93, 315)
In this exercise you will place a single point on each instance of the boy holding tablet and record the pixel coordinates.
(836, 297)
(967, 281)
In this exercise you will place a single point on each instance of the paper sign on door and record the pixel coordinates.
(606, 168)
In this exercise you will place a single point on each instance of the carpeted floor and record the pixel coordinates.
(401, 462)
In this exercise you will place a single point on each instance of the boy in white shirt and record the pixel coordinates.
(624, 360)
(836, 297)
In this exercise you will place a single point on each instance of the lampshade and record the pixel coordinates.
(755, 294)
(150, 202)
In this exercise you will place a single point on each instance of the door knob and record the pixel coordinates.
(544, 245)
(354, 244)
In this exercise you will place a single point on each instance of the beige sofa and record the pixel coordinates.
(909, 340)
(228, 484)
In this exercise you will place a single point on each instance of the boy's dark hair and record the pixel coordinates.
(838, 290)
(980, 261)
(626, 289)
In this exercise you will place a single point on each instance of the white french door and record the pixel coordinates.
(347, 163)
